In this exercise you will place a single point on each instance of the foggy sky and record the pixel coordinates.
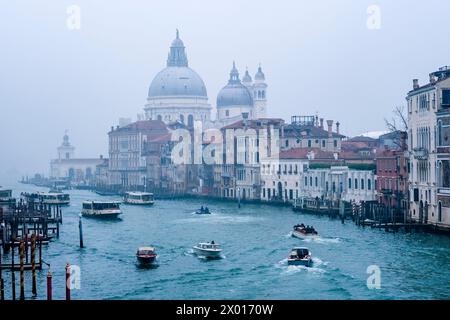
(318, 56)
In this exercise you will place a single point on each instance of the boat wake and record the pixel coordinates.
(323, 240)
(287, 269)
(216, 218)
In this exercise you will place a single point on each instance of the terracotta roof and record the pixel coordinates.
(143, 125)
(294, 130)
(255, 123)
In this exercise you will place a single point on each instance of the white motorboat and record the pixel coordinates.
(300, 256)
(139, 198)
(304, 232)
(101, 209)
(210, 250)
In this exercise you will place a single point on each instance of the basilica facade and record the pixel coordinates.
(178, 93)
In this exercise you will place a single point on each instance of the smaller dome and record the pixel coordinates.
(234, 93)
(247, 78)
(260, 75)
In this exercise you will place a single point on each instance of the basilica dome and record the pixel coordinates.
(234, 93)
(177, 79)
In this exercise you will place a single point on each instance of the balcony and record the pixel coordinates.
(420, 153)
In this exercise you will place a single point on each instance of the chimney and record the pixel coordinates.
(330, 128)
(321, 123)
(432, 78)
(416, 84)
(337, 127)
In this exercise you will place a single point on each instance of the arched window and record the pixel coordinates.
(259, 94)
(369, 184)
(190, 120)
(263, 94)
(159, 117)
(181, 118)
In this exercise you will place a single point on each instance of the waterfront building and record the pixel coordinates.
(392, 178)
(280, 179)
(68, 167)
(309, 132)
(424, 102)
(127, 161)
(443, 150)
(338, 183)
(240, 177)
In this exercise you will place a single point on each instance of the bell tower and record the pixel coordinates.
(260, 94)
(66, 150)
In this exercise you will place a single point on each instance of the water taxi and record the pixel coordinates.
(101, 209)
(300, 257)
(52, 197)
(139, 198)
(304, 232)
(209, 250)
(146, 255)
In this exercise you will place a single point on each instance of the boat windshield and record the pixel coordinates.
(105, 205)
(145, 252)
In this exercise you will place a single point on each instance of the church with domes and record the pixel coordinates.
(178, 94)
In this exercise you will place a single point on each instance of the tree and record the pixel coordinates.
(399, 124)
(399, 120)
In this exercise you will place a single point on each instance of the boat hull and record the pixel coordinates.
(110, 214)
(147, 259)
(139, 203)
(201, 212)
(303, 236)
(210, 254)
(300, 262)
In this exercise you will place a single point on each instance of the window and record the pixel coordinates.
(310, 181)
(306, 181)
(309, 143)
(369, 184)
(335, 143)
(356, 183)
(362, 184)
(227, 113)
(349, 183)
(323, 143)
(317, 181)
(287, 143)
(264, 192)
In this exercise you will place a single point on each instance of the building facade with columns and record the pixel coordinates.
(429, 203)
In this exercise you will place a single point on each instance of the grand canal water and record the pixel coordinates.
(256, 240)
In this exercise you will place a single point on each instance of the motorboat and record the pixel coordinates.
(300, 256)
(146, 255)
(202, 210)
(139, 198)
(209, 250)
(101, 209)
(304, 232)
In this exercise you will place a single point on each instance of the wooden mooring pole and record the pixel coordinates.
(2, 284)
(33, 265)
(67, 282)
(80, 226)
(22, 274)
(13, 274)
(49, 285)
